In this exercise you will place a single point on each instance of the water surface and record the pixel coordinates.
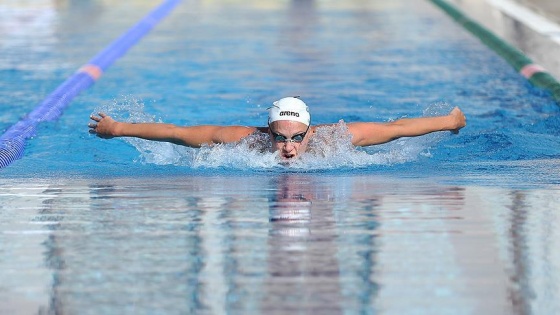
(441, 224)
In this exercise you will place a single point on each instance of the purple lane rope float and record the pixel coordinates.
(12, 142)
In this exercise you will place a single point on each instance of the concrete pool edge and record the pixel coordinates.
(533, 72)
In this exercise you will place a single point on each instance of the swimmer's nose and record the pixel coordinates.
(289, 146)
(289, 150)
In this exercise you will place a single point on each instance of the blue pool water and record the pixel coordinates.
(438, 224)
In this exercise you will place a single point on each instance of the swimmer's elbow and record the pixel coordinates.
(373, 139)
(184, 136)
(197, 136)
(231, 134)
(367, 134)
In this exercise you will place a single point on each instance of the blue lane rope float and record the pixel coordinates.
(12, 142)
(536, 74)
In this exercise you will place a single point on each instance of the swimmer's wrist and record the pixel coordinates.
(450, 123)
(453, 123)
(118, 129)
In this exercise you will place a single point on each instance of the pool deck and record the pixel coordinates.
(547, 8)
(532, 26)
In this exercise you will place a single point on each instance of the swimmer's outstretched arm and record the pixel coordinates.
(365, 134)
(195, 136)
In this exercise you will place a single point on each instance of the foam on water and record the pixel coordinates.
(330, 147)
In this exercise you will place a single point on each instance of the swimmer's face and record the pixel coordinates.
(289, 138)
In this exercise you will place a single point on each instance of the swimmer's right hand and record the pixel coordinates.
(104, 126)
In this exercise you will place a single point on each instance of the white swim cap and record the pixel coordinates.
(289, 108)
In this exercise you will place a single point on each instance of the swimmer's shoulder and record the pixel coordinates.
(260, 129)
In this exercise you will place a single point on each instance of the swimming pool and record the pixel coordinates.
(438, 224)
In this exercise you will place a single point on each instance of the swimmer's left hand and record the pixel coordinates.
(458, 120)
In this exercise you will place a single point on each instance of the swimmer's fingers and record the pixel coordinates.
(459, 118)
(93, 129)
(103, 126)
(456, 112)
(98, 119)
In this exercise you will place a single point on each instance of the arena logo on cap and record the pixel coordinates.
(288, 113)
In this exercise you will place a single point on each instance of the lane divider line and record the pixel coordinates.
(13, 141)
(531, 69)
(536, 74)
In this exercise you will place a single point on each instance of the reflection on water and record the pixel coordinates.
(303, 271)
(280, 243)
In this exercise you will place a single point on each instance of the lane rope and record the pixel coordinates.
(12, 142)
(536, 74)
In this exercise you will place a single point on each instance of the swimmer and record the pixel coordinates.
(289, 128)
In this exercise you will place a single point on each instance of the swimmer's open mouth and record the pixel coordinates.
(287, 160)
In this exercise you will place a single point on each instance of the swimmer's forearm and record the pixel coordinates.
(454, 121)
(106, 127)
(365, 134)
(187, 136)
(148, 131)
(193, 136)
(410, 127)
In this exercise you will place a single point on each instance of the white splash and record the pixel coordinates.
(330, 147)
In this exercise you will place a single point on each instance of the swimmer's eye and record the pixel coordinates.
(297, 138)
